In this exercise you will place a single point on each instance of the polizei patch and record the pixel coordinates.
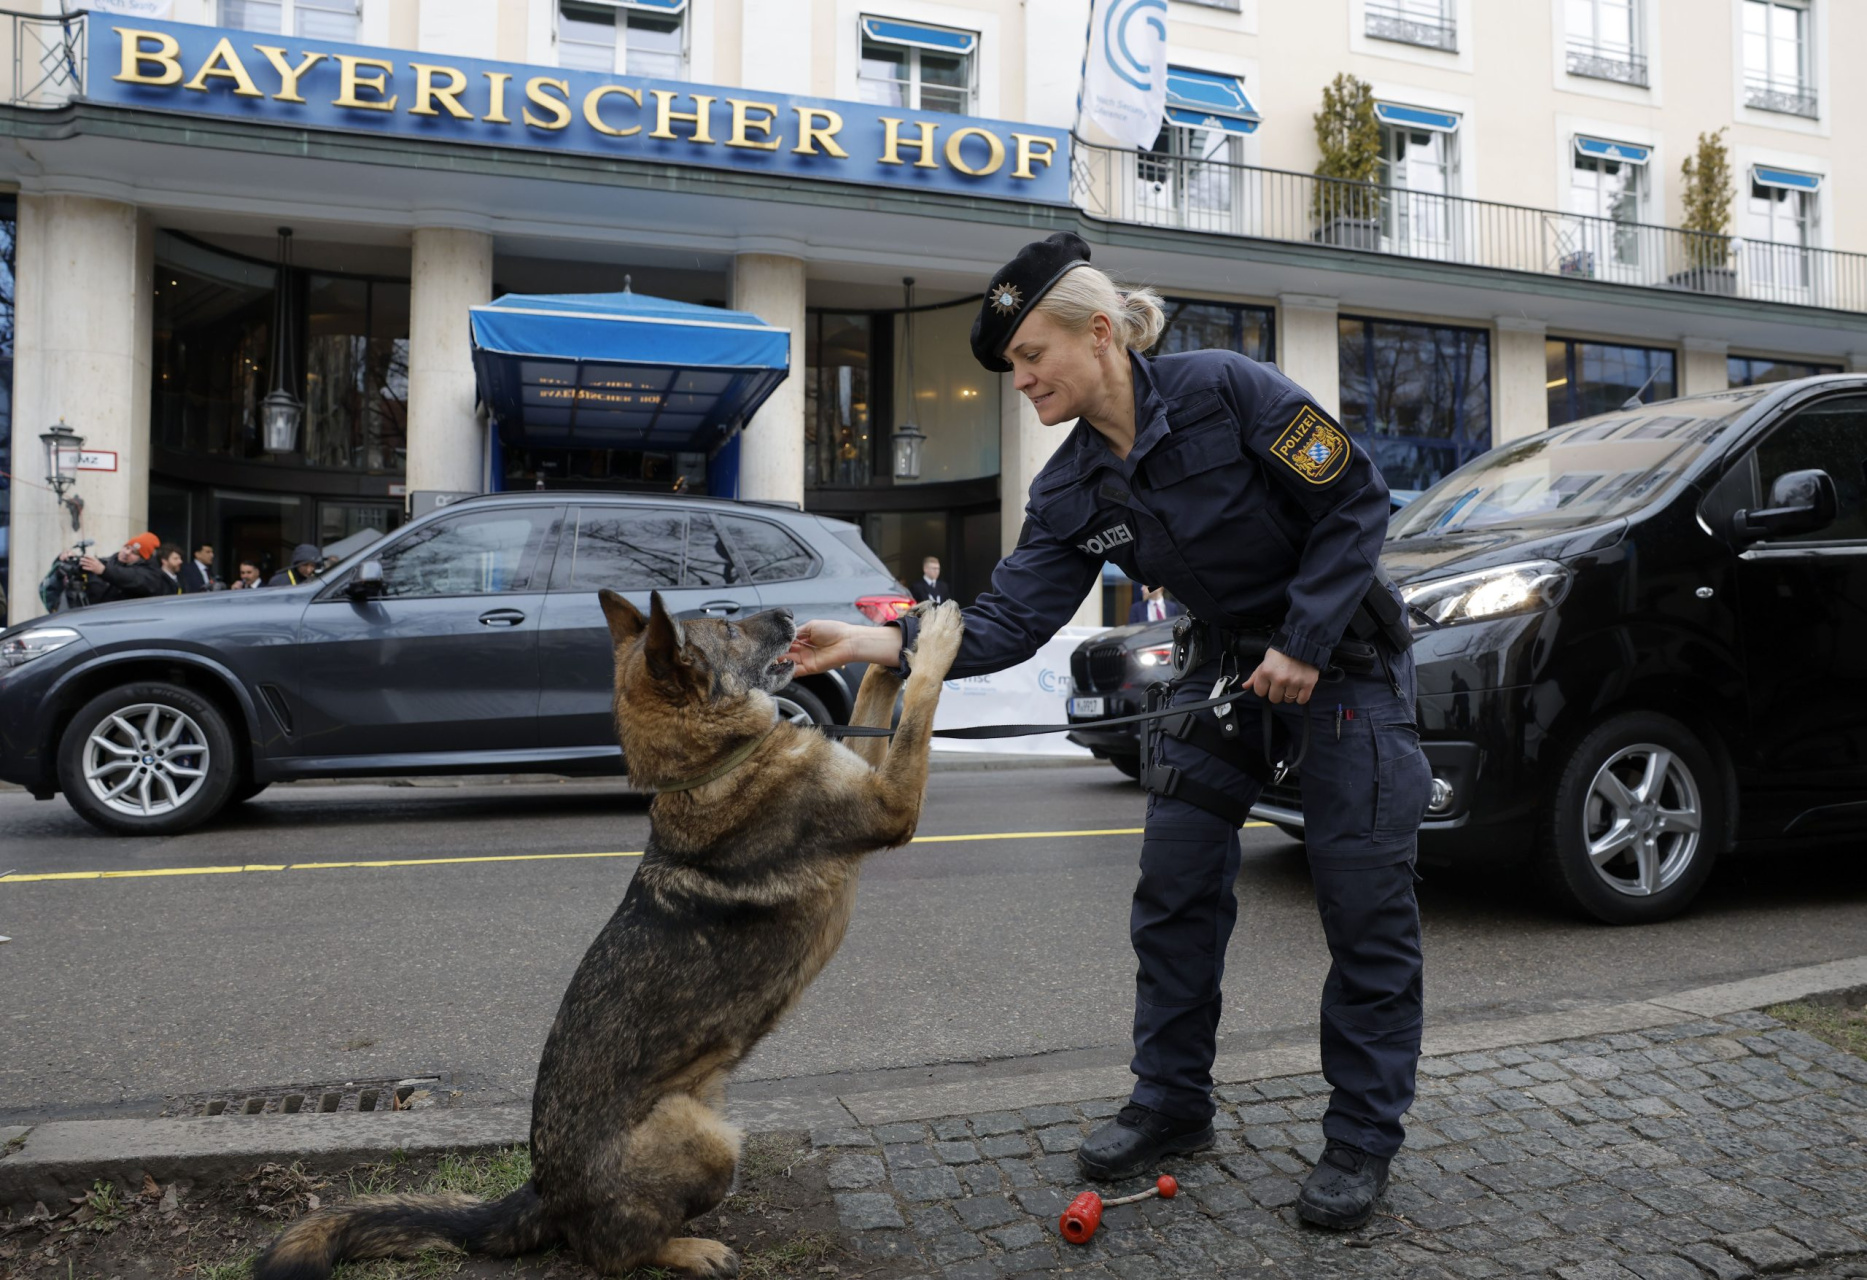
(1313, 447)
(1106, 541)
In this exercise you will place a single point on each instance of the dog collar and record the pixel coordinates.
(723, 768)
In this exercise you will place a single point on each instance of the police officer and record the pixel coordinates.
(1222, 480)
(303, 569)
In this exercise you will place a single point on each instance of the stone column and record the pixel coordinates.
(1520, 389)
(1702, 366)
(450, 270)
(84, 318)
(1024, 446)
(1308, 348)
(771, 448)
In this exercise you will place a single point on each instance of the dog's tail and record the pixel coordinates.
(398, 1226)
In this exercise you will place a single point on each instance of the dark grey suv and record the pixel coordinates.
(469, 641)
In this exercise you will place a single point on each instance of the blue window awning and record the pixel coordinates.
(653, 6)
(1765, 176)
(1601, 149)
(1416, 117)
(918, 35)
(621, 370)
(1209, 100)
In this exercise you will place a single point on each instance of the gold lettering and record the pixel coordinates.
(348, 82)
(225, 64)
(496, 83)
(1033, 146)
(892, 143)
(558, 107)
(995, 151)
(289, 75)
(165, 55)
(811, 134)
(665, 115)
(743, 121)
(427, 92)
(594, 99)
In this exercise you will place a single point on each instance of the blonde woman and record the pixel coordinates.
(1222, 480)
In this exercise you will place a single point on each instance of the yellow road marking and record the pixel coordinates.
(145, 873)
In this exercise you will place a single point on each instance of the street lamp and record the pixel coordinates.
(281, 411)
(62, 444)
(908, 438)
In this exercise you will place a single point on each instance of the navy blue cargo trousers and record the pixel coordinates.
(1365, 787)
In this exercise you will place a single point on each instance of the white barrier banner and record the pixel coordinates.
(1033, 692)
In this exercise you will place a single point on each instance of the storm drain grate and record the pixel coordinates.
(351, 1096)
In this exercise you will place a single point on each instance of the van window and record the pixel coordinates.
(1831, 436)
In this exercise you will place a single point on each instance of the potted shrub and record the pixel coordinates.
(1346, 201)
(1706, 226)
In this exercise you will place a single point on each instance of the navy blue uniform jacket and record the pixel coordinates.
(1240, 496)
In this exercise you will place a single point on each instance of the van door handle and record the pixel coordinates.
(719, 607)
(501, 618)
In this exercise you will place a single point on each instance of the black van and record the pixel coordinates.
(1642, 643)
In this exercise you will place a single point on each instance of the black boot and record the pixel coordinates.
(1135, 1140)
(1342, 1188)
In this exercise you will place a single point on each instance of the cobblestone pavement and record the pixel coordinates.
(1724, 1148)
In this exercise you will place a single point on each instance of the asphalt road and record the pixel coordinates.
(118, 991)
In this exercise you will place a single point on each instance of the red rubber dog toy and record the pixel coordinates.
(1080, 1220)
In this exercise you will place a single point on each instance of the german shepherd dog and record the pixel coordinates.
(741, 898)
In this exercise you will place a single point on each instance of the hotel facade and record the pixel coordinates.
(1522, 260)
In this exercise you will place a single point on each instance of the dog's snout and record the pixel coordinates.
(786, 614)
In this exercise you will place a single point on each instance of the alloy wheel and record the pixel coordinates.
(1641, 820)
(146, 760)
(794, 712)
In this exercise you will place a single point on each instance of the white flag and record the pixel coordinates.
(1125, 82)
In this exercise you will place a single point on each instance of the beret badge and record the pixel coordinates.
(1005, 298)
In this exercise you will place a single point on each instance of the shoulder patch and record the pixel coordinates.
(1313, 447)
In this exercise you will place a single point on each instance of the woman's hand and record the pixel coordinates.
(1281, 678)
(822, 645)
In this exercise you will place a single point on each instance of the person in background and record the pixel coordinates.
(1154, 606)
(931, 587)
(169, 564)
(200, 571)
(250, 576)
(128, 575)
(304, 567)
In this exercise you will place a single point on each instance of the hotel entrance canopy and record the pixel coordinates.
(622, 370)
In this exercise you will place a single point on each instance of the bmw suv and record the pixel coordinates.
(468, 641)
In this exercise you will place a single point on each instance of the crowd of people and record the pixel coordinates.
(146, 566)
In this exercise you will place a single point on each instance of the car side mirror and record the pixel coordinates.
(1800, 502)
(366, 583)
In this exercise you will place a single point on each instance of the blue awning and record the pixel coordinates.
(1209, 100)
(657, 6)
(1601, 149)
(621, 370)
(1416, 117)
(919, 35)
(1767, 177)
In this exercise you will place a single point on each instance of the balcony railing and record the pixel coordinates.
(1605, 62)
(1791, 97)
(1388, 20)
(1221, 197)
(47, 56)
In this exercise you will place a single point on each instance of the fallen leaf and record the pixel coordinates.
(312, 1202)
(150, 1189)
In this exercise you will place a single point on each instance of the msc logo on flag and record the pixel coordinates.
(1313, 447)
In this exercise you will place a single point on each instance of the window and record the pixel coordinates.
(1607, 190)
(1586, 378)
(1779, 231)
(1831, 437)
(473, 553)
(1751, 371)
(644, 548)
(1421, 167)
(1423, 22)
(1193, 175)
(768, 553)
(1199, 326)
(1416, 396)
(1604, 40)
(315, 19)
(922, 68)
(840, 398)
(624, 38)
(1776, 57)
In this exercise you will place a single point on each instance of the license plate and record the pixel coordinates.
(1086, 706)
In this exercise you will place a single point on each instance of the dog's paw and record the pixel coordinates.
(706, 1258)
(938, 642)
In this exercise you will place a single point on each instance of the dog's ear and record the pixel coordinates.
(666, 640)
(625, 620)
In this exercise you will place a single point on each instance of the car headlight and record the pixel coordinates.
(1159, 656)
(1488, 593)
(18, 650)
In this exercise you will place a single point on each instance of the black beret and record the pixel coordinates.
(1016, 288)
